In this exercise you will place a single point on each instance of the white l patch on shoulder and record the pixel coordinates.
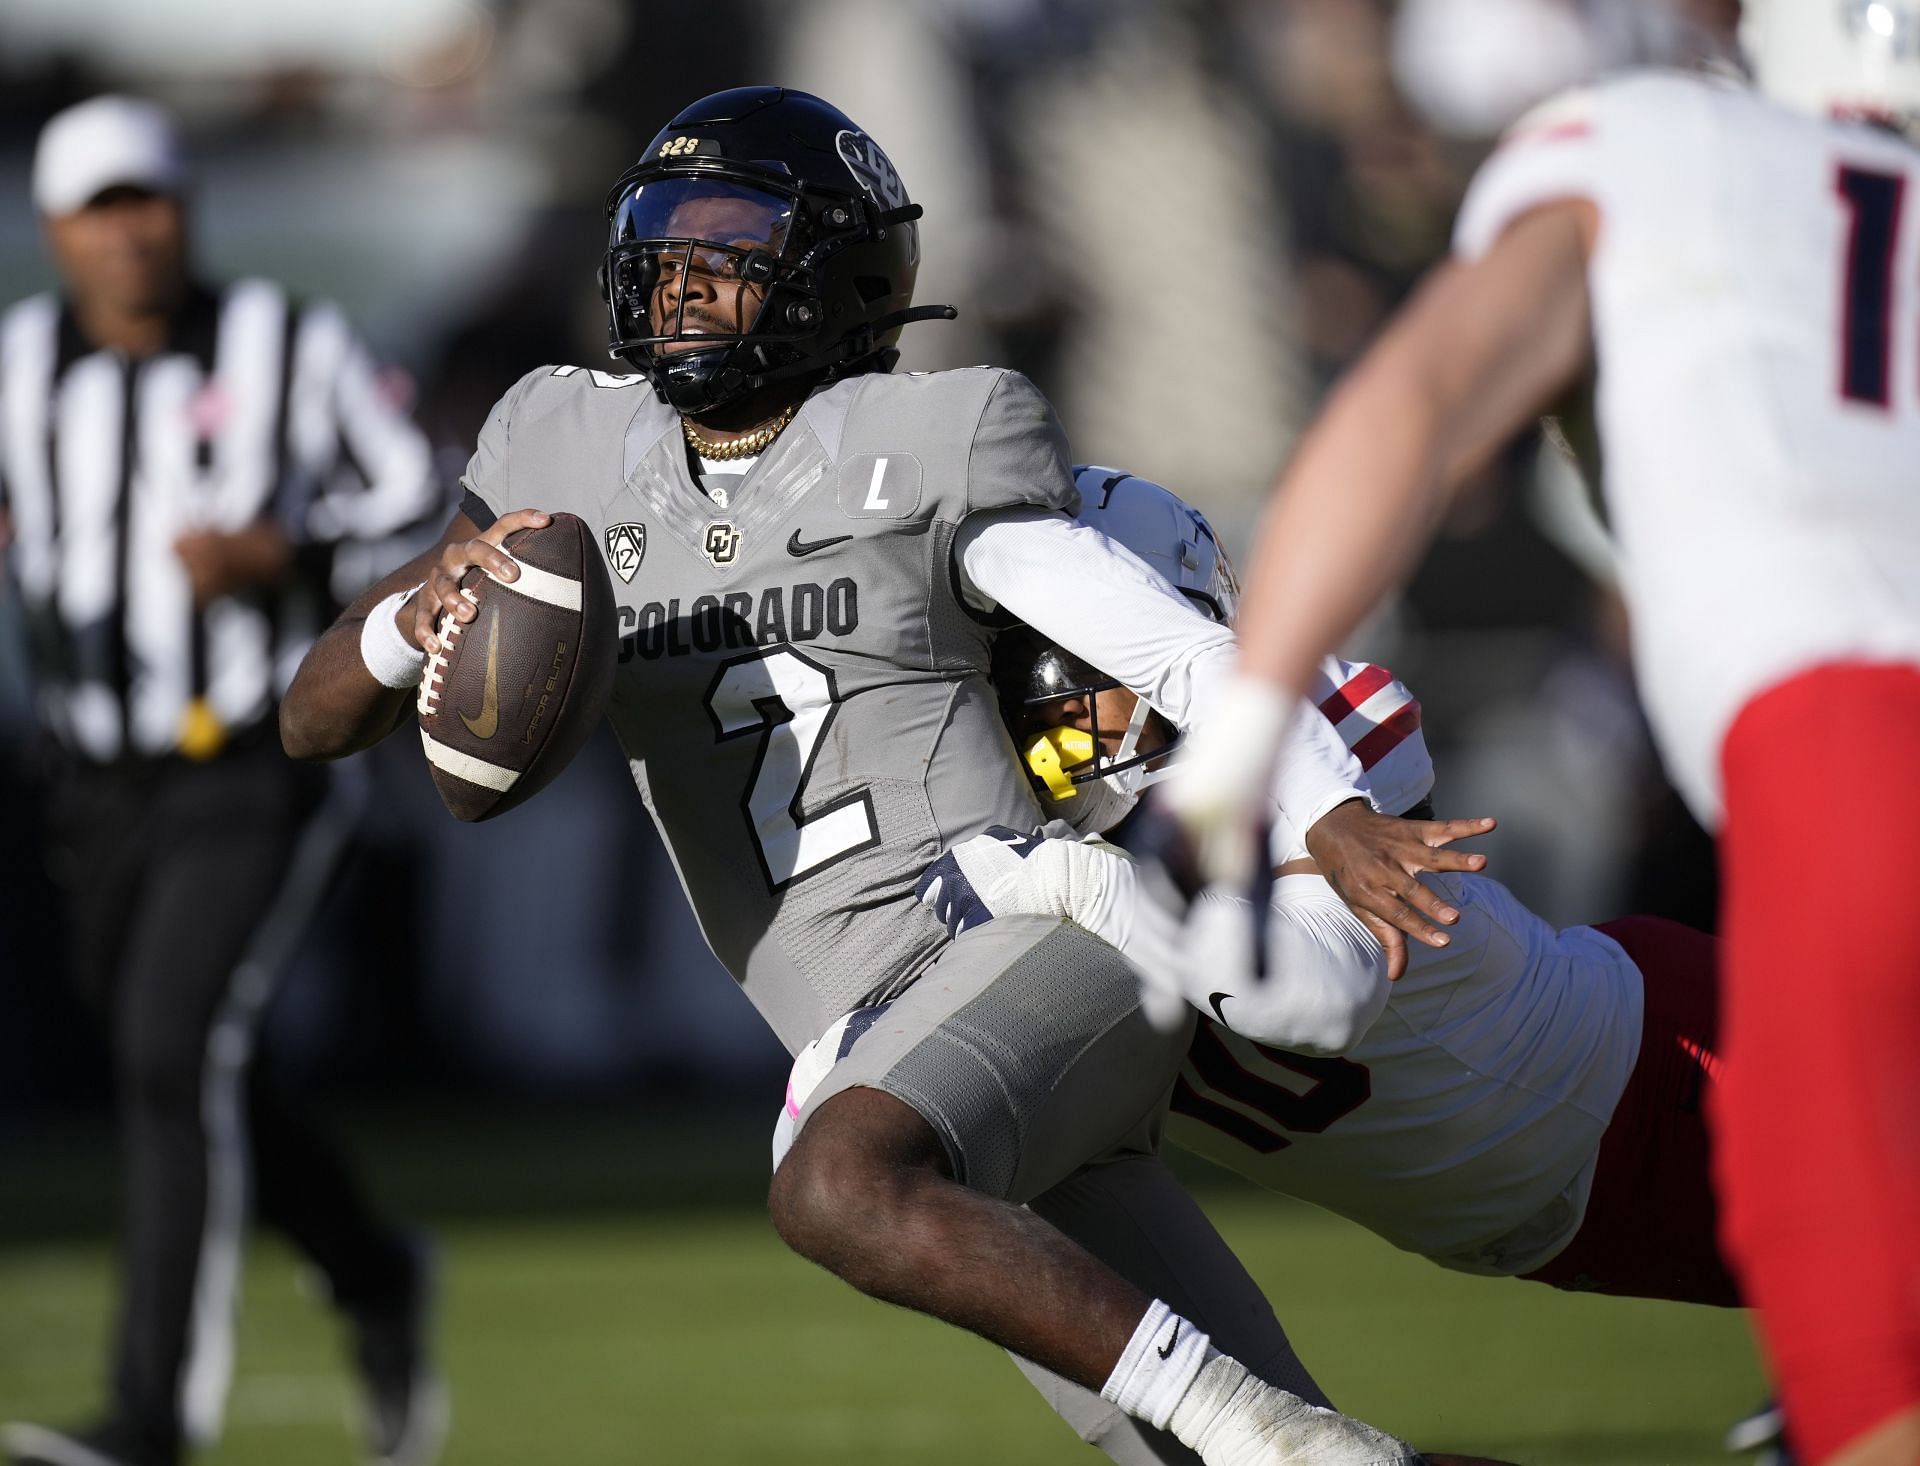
(880, 486)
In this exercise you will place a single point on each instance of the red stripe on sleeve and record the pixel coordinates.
(1558, 132)
(1388, 736)
(1354, 691)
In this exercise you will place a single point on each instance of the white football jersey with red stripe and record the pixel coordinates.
(1755, 294)
(1465, 1125)
(1379, 721)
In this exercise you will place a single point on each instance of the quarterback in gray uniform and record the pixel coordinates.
(810, 558)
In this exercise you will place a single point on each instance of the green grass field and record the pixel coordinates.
(613, 1296)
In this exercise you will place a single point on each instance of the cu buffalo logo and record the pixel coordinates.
(871, 168)
(722, 543)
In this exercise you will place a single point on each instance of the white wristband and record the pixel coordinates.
(394, 661)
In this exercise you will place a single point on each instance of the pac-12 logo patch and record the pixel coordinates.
(722, 543)
(871, 168)
(626, 543)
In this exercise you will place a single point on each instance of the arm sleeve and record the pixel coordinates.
(1104, 604)
(1378, 718)
(1552, 153)
(476, 509)
(1327, 983)
(1326, 979)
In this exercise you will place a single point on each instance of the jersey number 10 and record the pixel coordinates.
(1873, 202)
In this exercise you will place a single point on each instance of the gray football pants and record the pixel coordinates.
(1025, 1050)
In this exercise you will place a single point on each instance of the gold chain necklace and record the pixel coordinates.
(744, 447)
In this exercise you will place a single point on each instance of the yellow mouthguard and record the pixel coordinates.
(1056, 751)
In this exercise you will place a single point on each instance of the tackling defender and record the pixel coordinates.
(1742, 267)
(1524, 1102)
(811, 557)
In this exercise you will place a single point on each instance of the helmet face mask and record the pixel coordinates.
(762, 238)
(693, 261)
(1084, 774)
(1076, 776)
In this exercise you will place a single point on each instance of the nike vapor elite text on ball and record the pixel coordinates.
(515, 692)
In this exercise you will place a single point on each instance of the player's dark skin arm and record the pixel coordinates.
(1373, 862)
(335, 707)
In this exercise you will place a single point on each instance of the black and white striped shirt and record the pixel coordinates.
(257, 406)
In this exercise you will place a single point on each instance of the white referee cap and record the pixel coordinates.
(104, 143)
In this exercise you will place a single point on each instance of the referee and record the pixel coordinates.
(183, 469)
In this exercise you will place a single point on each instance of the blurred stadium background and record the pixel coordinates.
(1181, 217)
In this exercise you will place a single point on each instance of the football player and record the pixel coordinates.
(812, 557)
(1524, 1102)
(1741, 265)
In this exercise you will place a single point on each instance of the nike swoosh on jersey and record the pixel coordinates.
(488, 723)
(797, 546)
(1217, 1002)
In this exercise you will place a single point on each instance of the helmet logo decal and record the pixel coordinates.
(626, 544)
(722, 543)
(871, 168)
(679, 147)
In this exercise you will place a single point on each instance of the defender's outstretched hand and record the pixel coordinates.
(1372, 861)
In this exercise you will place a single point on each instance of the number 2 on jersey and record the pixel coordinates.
(791, 702)
(1873, 201)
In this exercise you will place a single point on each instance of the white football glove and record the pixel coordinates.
(1218, 792)
(1053, 872)
(1057, 872)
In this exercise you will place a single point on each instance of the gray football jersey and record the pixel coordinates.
(802, 693)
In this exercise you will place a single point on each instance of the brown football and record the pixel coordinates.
(515, 692)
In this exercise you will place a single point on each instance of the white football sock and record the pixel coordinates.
(1214, 1406)
(1159, 1364)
